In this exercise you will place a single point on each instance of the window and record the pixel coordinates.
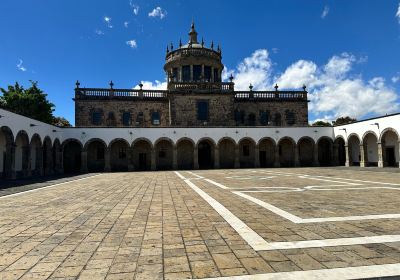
(246, 150)
(202, 110)
(139, 118)
(155, 118)
(175, 74)
(122, 153)
(207, 73)
(264, 117)
(186, 73)
(251, 119)
(126, 118)
(196, 72)
(100, 153)
(216, 76)
(96, 118)
(290, 117)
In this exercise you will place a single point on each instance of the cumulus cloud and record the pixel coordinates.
(398, 13)
(107, 20)
(132, 44)
(126, 24)
(158, 12)
(156, 85)
(135, 8)
(325, 12)
(396, 79)
(99, 32)
(334, 90)
(20, 66)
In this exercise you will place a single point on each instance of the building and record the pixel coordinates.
(195, 97)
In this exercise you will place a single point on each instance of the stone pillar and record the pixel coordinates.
(296, 156)
(25, 161)
(380, 155)
(153, 159)
(335, 154)
(212, 74)
(346, 147)
(277, 162)
(315, 155)
(237, 156)
(39, 161)
(49, 161)
(84, 168)
(131, 166)
(195, 157)
(257, 157)
(216, 157)
(202, 71)
(174, 158)
(362, 154)
(398, 152)
(107, 160)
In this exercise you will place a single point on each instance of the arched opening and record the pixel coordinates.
(286, 152)
(185, 149)
(6, 152)
(72, 150)
(119, 158)
(325, 151)
(22, 154)
(56, 156)
(390, 148)
(142, 155)
(205, 154)
(47, 157)
(164, 150)
(246, 153)
(370, 145)
(341, 151)
(226, 153)
(306, 151)
(266, 149)
(36, 158)
(96, 151)
(354, 150)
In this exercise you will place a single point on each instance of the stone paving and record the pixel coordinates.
(153, 225)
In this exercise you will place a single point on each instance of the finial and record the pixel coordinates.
(251, 87)
(111, 84)
(167, 49)
(231, 78)
(304, 87)
(141, 85)
(193, 35)
(77, 84)
(276, 87)
(219, 48)
(172, 47)
(202, 42)
(212, 45)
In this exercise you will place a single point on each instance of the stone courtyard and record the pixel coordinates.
(302, 223)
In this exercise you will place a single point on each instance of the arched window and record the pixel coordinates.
(290, 117)
(155, 118)
(251, 119)
(264, 117)
(97, 117)
(126, 118)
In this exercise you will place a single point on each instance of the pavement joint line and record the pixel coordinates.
(357, 272)
(46, 187)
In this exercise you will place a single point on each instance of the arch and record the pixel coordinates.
(164, 153)
(325, 151)
(370, 148)
(91, 140)
(353, 142)
(185, 153)
(96, 155)
(7, 154)
(366, 134)
(340, 150)
(72, 150)
(119, 154)
(226, 146)
(141, 154)
(266, 147)
(206, 153)
(22, 154)
(305, 146)
(247, 152)
(286, 148)
(36, 155)
(390, 147)
(56, 156)
(47, 156)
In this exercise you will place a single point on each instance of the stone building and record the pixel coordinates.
(195, 97)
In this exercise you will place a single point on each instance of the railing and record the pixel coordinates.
(192, 52)
(129, 93)
(200, 86)
(268, 95)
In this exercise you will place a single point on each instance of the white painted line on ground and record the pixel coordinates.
(39, 189)
(326, 180)
(356, 180)
(358, 272)
(180, 175)
(216, 184)
(194, 174)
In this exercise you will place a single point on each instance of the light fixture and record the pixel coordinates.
(32, 125)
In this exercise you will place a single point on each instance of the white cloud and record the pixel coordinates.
(132, 44)
(157, 85)
(126, 24)
(99, 32)
(107, 20)
(398, 13)
(334, 90)
(396, 79)
(275, 50)
(135, 7)
(325, 12)
(158, 12)
(20, 66)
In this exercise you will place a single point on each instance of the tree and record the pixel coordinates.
(321, 123)
(343, 120)
(61, 122)
(31, 102)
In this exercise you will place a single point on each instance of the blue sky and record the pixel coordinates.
(346, 52)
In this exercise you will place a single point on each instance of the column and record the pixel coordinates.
(84, 168)
(174, 157)
(25, 161)
(153, 159)
(296, 156)
(335, 154)
(315, 155)
(202, 72)
(346, 147)
(107, 160)
(237, 162)
(131, 166)
(195, 157)
(277, 162)
(39, 161)
(212, 75)
(380, 155)
(257, 157)
(362, 154)
(398, 152)
(216, 157)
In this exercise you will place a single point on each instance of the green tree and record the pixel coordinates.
(343, 120)
(321, 123)
(61, 122)
(31, 102)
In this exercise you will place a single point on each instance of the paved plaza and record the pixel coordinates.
(295, 223)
